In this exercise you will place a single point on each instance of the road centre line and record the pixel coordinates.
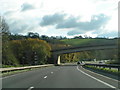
(96, 78)
(30, 88)
(45, 76)
(51, 72)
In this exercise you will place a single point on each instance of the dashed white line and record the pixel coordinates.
(30, 88)
(51, 72)
(45, 76)
(96, 78)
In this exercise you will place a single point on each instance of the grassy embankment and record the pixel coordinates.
(80, 42)
(106, 70)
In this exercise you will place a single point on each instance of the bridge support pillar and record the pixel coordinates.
(57, 59)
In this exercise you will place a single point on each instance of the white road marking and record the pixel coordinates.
(30, 88)
(45, 76)
(102, 75)
(51, 72)
(96, 78)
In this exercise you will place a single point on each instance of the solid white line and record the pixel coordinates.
(30, 88)
(101, 75)
(96, 79)
(45, 76)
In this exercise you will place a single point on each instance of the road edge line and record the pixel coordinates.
(96, 78)
(100, 74)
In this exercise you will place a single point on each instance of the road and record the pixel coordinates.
(68, 76)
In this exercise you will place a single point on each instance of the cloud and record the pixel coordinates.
(22, 24)
(109, 34)
(79, 27)
(52, 19)
(18, 27)
(26, 6)
(70, 22)
(75, 32)
(96, 23)
(9, 13)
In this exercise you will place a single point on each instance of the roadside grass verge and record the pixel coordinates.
(106, 70)
(14, 72)
(9, 66)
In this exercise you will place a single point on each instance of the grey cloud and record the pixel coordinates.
(19, 26)
(9, 13)
(96, 22)
(52, 19)
(75, 32)
(71, 22)
(26, 7)
(16, 27)
(110, 34)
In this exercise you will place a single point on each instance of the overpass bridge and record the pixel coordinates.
(56, 53)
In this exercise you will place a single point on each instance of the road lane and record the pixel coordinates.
(53, 77)
(26, 79)
(69, 77)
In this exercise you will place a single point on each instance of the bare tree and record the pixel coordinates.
(4, 28)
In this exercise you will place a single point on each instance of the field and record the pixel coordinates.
(80, 42)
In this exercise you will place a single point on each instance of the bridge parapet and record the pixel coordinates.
(57, 52)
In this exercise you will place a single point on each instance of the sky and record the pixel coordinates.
(94, 18)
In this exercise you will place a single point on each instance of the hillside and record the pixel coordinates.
(80, 42)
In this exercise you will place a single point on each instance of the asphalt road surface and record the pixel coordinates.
(69, 76)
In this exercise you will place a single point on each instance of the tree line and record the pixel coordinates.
(22, 50)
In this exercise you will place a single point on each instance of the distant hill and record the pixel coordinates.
(92, 41)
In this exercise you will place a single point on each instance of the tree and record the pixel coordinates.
(78, 37)
(44, 37)
(7, 54)
(33, 35)
(4, 30)
(30, 51)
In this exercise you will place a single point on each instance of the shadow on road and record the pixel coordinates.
(68, 65)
